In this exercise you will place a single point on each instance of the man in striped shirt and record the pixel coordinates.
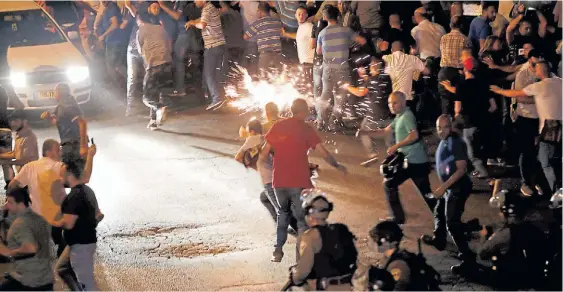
(214, 43)
(451, 46)
(267, 30)
(333, 43)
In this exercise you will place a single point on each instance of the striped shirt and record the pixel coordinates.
(213, 32)
(451, 46)
(267, 31)
(286, 10)
(335, 42)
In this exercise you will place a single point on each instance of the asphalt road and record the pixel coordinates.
(181, 214)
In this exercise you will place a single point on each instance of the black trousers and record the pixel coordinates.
(11, 284)
(447, 217)
(418, 172)
(153, 83)
(447, 98)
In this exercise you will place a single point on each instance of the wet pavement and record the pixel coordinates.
(181, 214)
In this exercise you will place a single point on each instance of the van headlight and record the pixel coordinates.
(19, 79)
(77, 73)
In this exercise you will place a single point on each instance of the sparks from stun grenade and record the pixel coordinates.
(251, 95)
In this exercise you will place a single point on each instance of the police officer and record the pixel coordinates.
(402, 271)
(327, 253)
(455, 188)
(517, 249)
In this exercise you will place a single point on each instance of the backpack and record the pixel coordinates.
(423, 276)
(338, 255)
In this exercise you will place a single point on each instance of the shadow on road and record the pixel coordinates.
(205, 137)
(213, 151)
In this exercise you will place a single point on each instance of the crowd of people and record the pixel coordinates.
(38, 213)
(491, 86)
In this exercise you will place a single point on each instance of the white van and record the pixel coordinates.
(40, 56)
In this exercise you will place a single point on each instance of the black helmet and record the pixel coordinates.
(386, 231)
(309, 197)
(514, 205)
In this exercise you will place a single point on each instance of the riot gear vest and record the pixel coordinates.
(338, 254)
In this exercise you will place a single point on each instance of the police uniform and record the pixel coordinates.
(327, 255)
(403, 270)
(517, 250)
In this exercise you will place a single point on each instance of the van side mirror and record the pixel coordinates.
(73, 35)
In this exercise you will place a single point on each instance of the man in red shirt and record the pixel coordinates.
(290, 140)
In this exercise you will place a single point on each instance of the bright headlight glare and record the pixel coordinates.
(77, 73)
(19, 79)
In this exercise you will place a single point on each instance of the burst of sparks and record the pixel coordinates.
(253, 95)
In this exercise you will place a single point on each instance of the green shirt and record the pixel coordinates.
(402, 125)
(32, 228)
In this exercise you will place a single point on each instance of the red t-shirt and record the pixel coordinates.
(290, 140)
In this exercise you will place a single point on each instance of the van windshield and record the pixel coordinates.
(28, 28)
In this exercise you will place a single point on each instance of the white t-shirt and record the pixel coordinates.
(427, 36)
(547, 95)
(401, 68)
(46, 188)
(305, 50)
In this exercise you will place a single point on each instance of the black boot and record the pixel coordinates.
(465, 268)
(437, 243)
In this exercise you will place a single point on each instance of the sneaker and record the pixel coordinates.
(292, 231)
(464, 268)
(215, 105)
(178, 93)
(152, 125)
(161, 115)
(439, 244)
(480, 175)
(277, 256)
(526, 190)
(496, 162)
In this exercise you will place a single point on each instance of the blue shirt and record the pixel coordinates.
(116, 36)
(335, 41)
(449, 151)
(479, 30)
(67, 122)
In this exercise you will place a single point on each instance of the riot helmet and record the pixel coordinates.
(315, 203)
(386, 234)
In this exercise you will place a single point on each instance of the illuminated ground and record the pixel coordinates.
(181, 214)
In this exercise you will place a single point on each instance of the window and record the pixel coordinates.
(28, 28)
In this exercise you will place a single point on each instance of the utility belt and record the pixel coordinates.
(324, 283)
(393, 165)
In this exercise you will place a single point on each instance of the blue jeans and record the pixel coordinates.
(289, 200)
(82, 262)
(135, 73)
(472, 138)
(180, 49)
(317, 81)
(549, 156)
(114, 62)
(333, 79)
(213, 72)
